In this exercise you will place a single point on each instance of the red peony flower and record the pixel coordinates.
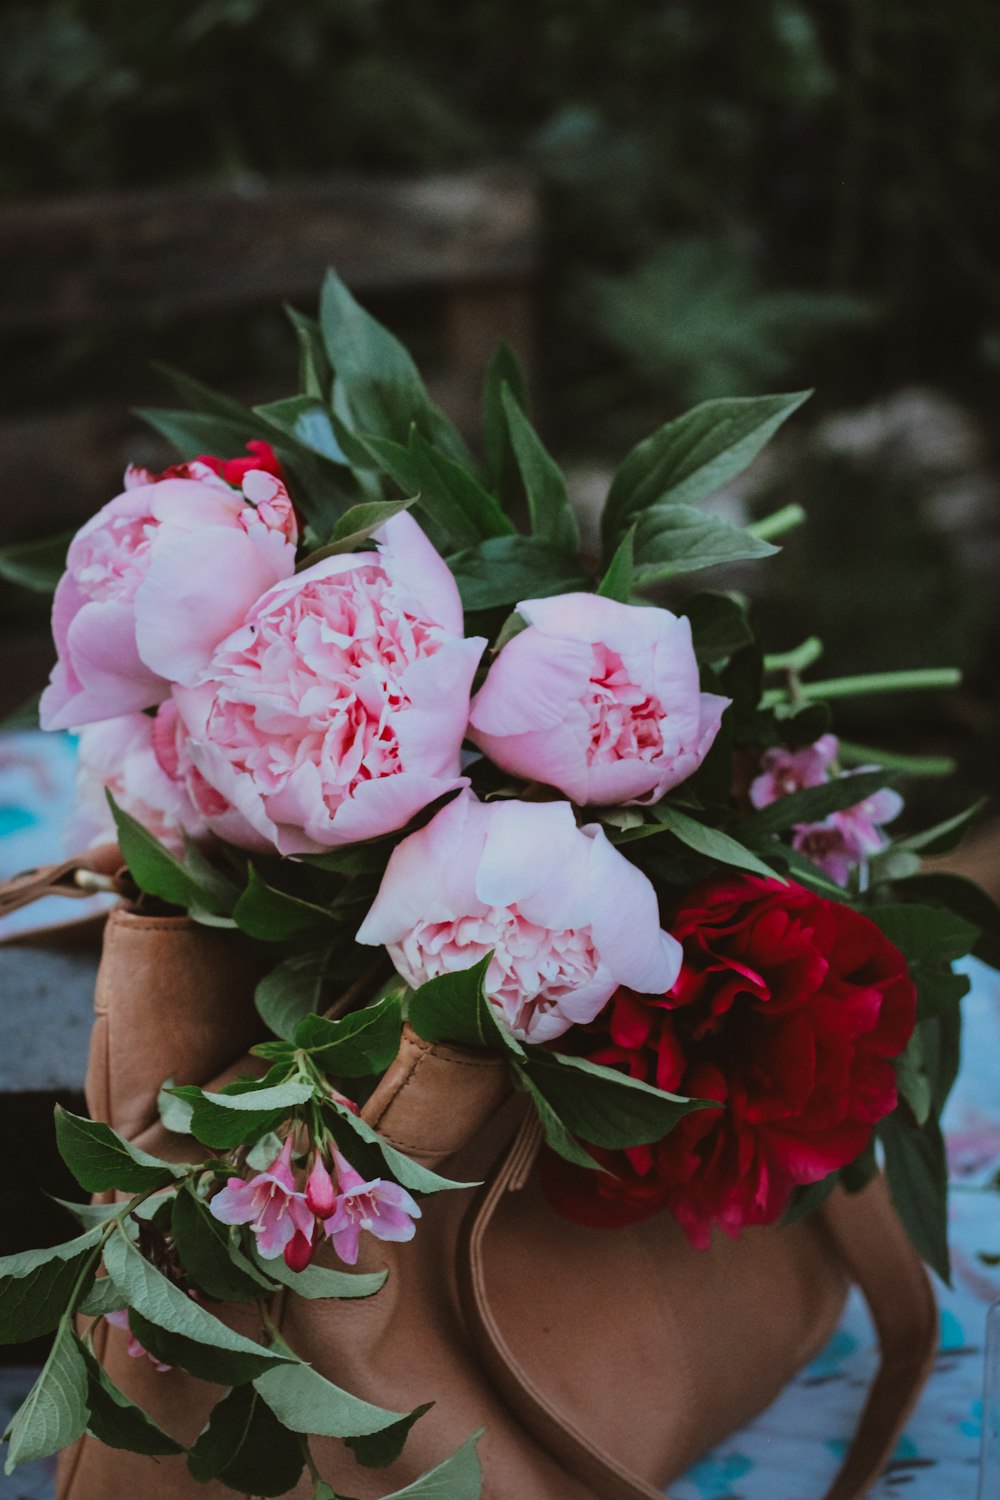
(788, 1011)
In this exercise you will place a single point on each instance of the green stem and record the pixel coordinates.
(910, 765)
(925, 679)
(775, 525)
(797, 660)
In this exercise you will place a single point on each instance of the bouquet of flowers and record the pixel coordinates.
(353, 698)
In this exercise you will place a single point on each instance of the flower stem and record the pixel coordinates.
(777, 524)
(796, 660)
(910, 765)
(927, 678)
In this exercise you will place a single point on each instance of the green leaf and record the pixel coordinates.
(306, 420)
(503, 373)
(272, 916)
(175, 1114)
(917, 1174)
(225, 1120)
(356, 525)
(460, 1477)
(54, 1413)
(604, 1106)
(719, 625)
(556, 1134)
(693, 456)
(100, 1159)
(206, 401)
(939, 991)
(446, 487)
(806, 873)
(36, 565)
(710, 841)
(193, 433)
(619, 578)
(674, 539)
(507, 569)
(357, 1045)
(161, 1303)
(306, 1402)
(116, 1421)
(292, 991)
(551, 514)
(965, 899)
(380, 1449)
(409, 1173)
(946, 836)
(377, 376)
(925, 932)
(36, 1286)
(912, 1080)
(317, 1282)
(156, 871)
(103, 1297)
(454, 1008)
(811, 805)
(806, 1200)
(210, 1253)
(246, 1447)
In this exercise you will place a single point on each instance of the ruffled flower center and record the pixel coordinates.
(533, 969)
(625, 718)
(319, 684)
(110, 562)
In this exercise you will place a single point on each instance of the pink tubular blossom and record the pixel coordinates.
(786, 771)
(567, 918)
(384, 1209)
(336, 711)
(269, 1203)
(599, 699)
(320, 1191)
(154, 581)
(135, 1350)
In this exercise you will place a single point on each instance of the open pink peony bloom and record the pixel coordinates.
(134, 1349)
(786, 771)
(385, 1209)
(337, 710)
(153, 582)
(599, 699)
(269, 1203)
(567, 917)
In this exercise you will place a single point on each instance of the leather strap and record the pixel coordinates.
(877, 1253)
(83, 875)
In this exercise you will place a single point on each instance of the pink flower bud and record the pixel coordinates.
(299, 1251)
(320, 1192)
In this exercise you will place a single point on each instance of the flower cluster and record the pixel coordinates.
(334, 1205)
(843, 841)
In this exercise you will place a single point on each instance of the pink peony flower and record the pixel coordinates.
(260, 455)
(337, 710)
(786, 771)
(599, 699)
(567, 917)
(122, 755)
(133, 1347)
(385, 1209)
(269, 1203)
(153, 582)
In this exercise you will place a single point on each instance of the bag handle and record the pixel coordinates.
(83, 875)
(876, 1252)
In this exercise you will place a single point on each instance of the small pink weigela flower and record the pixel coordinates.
(566, 916)
(337, 710)
(384, 1209)
(783, 772)
(154, 581)
(134, 1349)
(599, 699)
(278, 1214)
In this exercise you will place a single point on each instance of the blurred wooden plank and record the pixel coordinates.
(139, 256)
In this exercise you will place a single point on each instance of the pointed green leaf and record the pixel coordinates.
(227, 1119)
(711, 842)
(305, 1401)
(604, 1106)
(454, 1008)
(210, 1253)
(619, 577)
(246, 1447)
(356, 525)
(163, 1304)
(36, 565)
(404, 1169)
(158, 872)
(103, 1297)
(504, 370)
(460, 1477)
(54, 1413)
(965, 899)
(175, 1113)
(556, 1134)
(674, 539)
(811, 805)
(551, 514)
(292, 991)
(306, 420)
(946, 836)
(205, 400)
(100, 1159)
(319, 1282)
(272, 916)
(315, 374)
(507, 569)
(719, 625)
(917, 1173)
(36, 1286)
(693, 456)
(357, 1045)
(925, 932)
(116, 1421)
(380, 1449)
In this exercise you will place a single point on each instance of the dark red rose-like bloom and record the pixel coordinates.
(788, 1011)
(232, 470)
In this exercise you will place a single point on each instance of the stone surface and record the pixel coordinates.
(45, 1018)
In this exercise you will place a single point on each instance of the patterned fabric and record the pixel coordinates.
(792, 1451)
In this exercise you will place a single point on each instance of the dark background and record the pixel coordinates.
(736, 197)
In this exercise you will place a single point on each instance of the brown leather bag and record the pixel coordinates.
(601, 1363)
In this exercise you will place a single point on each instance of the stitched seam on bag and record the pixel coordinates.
(424, 1053)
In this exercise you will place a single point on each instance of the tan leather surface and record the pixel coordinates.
(617, 1355)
